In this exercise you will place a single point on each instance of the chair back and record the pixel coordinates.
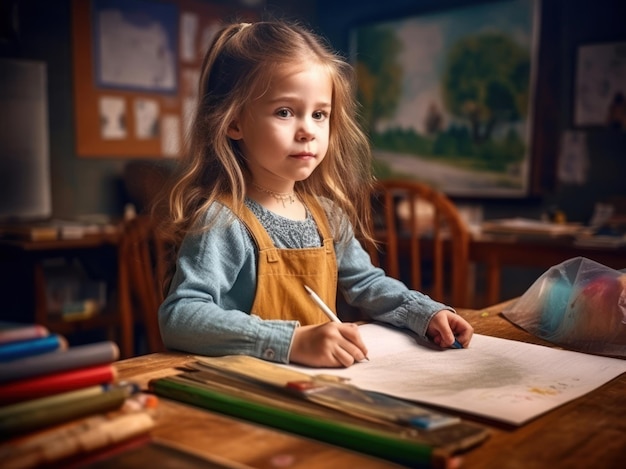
(423, 240)
(143, 263)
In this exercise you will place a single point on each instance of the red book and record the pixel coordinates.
(47, 385)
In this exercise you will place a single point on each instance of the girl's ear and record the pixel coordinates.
(234, 131)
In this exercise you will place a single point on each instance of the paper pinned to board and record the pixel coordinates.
(500, 379)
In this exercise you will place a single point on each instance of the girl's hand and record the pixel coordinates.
(445, 326)
(327, 345)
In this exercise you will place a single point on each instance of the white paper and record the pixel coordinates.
(146, 118)
(134, 55)
(573, 159)
(496, 378)
(188, 33)
(112, 110)
(170, 136)
(600, 79)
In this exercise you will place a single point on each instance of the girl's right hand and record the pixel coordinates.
(328, 345)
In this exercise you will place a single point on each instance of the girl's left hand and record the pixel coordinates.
(446, 326)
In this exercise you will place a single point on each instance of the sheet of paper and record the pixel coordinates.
(573, 158)
(496, 378)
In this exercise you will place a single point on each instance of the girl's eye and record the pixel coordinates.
(320, 115)
(283, 113)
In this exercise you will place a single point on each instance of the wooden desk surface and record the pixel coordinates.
(589, 432)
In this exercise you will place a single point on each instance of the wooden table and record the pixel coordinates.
(589, 432)
(497, 251)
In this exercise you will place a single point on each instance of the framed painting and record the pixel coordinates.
(447, 96)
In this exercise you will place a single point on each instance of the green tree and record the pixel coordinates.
(379, 74)
(486, 82)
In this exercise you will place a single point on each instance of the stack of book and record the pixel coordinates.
(59, 402)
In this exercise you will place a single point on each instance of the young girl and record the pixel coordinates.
(270, 196)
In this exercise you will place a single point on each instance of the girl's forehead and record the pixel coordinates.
(282, 71)
(278, 74)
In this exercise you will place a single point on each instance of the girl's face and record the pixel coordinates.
(284, 133)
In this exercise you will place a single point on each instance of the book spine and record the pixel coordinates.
(14, 333)
(27, 348)
(80, 437)
(394, 448)
(55, 414)
(32, 388)
(75, 357)
(60, 399)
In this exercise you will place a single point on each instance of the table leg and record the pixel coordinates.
(493, 281)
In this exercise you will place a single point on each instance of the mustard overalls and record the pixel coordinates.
(282, 273)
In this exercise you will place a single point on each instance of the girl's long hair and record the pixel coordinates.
(239, 65)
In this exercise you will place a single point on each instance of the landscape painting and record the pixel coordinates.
(446, 96)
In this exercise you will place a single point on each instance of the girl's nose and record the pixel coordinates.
(305, 131)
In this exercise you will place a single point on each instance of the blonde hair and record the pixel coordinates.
(241, 61)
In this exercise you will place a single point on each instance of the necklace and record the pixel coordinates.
(281, 197)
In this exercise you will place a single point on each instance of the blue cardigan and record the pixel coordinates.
(207, 309)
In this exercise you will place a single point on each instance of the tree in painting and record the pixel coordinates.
(379, 74)
(486, 82)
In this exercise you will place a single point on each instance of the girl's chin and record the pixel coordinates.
(303, 174)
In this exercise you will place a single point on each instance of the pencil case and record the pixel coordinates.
(579, 304)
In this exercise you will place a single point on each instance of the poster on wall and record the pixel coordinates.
(136, 44)
(446, 96)
(601, 85)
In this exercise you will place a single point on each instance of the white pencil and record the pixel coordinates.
(322, 305)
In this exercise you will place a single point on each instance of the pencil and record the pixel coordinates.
(327, 311)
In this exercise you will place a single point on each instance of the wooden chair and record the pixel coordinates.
(420, 229)
(142, 265)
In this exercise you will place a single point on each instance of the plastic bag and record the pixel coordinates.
(578, 304)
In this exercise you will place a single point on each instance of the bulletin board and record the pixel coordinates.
(136, 65)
